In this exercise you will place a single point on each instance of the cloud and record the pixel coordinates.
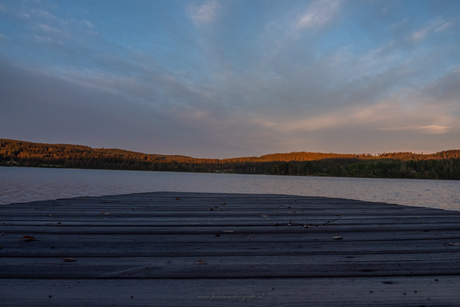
(47, 41)
(431, 108)
(432, 129)
(438, 25)
(47, 28)
(405, 111)
(399, 23)
(206, 13)
(43, 38)
(111, 111)
(66, 111)
(319, 13)
(419, 35)
(43, 14)
(23, 15)
(87, 23)
(444, 91)
(256, 84)
(53, 31)
(443, 26)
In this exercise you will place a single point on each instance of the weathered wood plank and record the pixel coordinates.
(231, 236)
(270, 221)
(172, 198)
(331, 228)
(231, 267)
(248, 248)
(221, 211)
(368, 291)
(183, 201)
(204, 208)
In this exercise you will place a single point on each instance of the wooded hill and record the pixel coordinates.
(441, 165)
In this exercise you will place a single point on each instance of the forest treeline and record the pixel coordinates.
(441, 165)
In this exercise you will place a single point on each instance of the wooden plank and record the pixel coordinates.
(231, 267)
(248, 248)
(368, 291)
(224, 237)
(269, 200)
(369, 208)
(331, 228)
(234, 198)
(206, 206)
(153, 206)
(220, 211)
(232, 222)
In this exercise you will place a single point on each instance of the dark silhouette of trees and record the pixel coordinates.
(441, 165)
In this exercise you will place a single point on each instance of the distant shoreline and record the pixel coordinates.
(402, 165)
(223, 173)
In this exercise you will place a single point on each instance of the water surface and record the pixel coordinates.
(20, 184)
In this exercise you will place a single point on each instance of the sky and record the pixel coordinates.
(232, 78)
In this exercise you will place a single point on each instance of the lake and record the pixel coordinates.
(21, 184)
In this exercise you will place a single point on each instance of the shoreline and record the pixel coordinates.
(226, 173)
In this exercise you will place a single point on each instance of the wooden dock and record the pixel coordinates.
(202, 249)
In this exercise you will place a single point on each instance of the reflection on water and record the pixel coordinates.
(29, 184)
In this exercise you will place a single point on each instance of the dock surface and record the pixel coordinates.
(203, 249)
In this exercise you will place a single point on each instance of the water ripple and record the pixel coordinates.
(30, 184)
